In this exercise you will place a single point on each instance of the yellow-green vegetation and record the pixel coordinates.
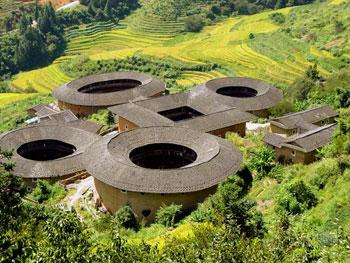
(42, 80)
(6, 6)
(327, 181)
(250, 46)
(8, 98)
(14, 114)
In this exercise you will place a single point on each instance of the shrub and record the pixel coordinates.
(277, 18)
(262, 160)
(194, 23)
(167, 215)
(45, 191)
(125, 217)
(295, 198)
(283, 107)
(109, 118)
(326, 169)
(277, 173)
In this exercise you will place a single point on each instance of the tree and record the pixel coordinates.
(125, 217)
(23, 23)
(194, 23)
(109, 118)
(31, 49)
(262, 160)
(167, 215)
(8, 23)
(231, 204)
(343, 97)
(313, 73)
(47, 21)
(108, 11)
(296, 197)
(12, 190)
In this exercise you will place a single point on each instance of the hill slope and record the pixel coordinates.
(251, 46)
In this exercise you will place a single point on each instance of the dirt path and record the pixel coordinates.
(82, 187)
(69, 5)
(254, 126)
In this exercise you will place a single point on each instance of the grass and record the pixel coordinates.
(14, 114)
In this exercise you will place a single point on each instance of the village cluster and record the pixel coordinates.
(168, 148)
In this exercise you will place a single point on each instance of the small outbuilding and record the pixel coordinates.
(299, 148)
(300, 122)
(245, 94)
(51, 151)
(87, 95)
(148, 167)
(187, 110)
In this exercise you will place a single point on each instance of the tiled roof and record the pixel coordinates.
(265, 98)
(302, 118)
(108, 161)
(69, 92)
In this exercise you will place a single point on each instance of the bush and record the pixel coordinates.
(125, 217)
(283, 107)
(194, 23)
(326, 169)
(262, 160)
(45, 191)
(277, 18)
(295, 198)
(167, 215)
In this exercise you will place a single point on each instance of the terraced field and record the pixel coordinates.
(267, 55)
(7, 98)
(6, 6)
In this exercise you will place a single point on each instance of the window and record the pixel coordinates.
(146, 212)
(126, 126)
(123, 191)
(293, 153)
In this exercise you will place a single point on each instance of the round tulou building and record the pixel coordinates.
(245, 94)
(52, 152)
(148, 167)
(87, 95)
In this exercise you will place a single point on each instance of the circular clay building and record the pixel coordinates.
(245, 94)
(87, 95)
(52, 152)
(148, 167)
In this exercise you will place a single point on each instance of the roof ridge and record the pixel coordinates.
(300, 112)
(309, 133)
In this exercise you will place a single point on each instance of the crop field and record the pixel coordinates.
(7, 98)
(6, 6)
(249, 46)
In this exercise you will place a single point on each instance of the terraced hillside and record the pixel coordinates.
(251, 46)
(6, 6)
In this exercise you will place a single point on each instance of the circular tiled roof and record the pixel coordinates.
(29, 168)
(108, 160)
(259, 94)
(75, 93)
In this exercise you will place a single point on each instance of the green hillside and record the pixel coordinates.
(253, 46)
(267, 212)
